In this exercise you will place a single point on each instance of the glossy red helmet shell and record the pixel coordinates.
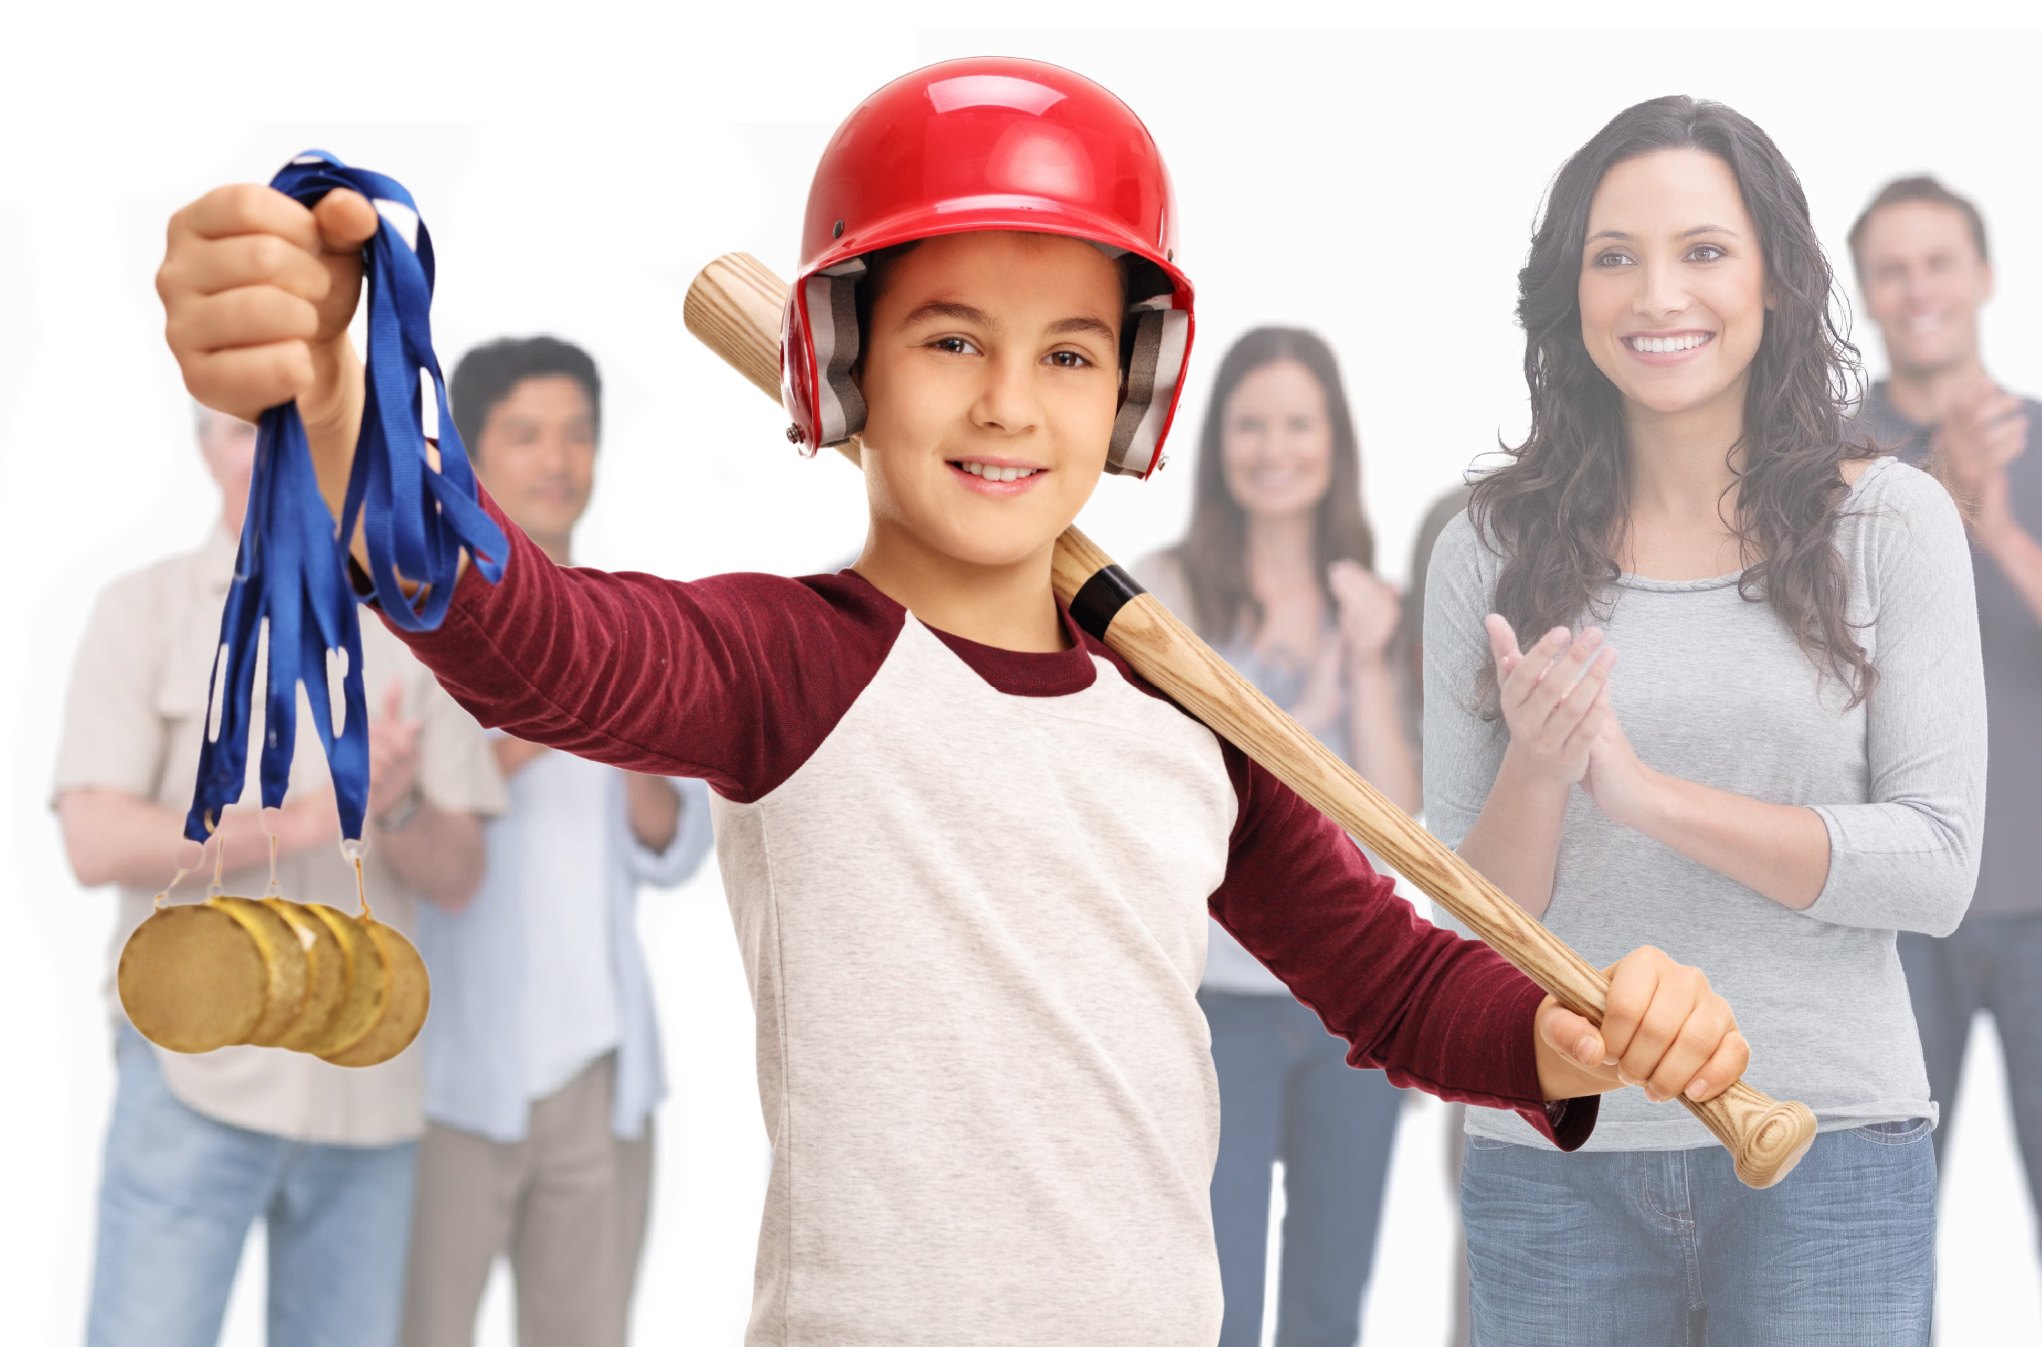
(987, 143)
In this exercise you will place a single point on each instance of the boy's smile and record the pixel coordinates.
(991, 476)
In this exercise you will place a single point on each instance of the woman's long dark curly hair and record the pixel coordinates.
(1558, 510)
(1214, 552)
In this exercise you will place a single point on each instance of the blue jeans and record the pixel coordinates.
(178, 1194)
(1287, 1093)
(1668, 1249)
(1990, 964)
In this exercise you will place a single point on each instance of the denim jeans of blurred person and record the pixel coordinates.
(177, 1197)
(1287, 1093)
(1629, 1247)
(1990, 964)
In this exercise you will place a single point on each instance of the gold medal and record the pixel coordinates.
(270, 972)
(284, 958)
(193, 979)
(365, 989)
(404, 1006)
(326, 975)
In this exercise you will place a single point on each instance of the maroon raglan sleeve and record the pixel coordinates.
(734, 679)
(1431, 1009)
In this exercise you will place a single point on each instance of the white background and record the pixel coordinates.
(577, 167)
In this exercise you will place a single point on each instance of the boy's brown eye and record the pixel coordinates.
(1068, 359)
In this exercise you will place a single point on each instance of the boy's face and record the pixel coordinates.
(991, 379)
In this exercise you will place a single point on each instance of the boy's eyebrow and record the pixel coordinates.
(952, 311)
(943, 308)
(1086, 325)
(1622, 237)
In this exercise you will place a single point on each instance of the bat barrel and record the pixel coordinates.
(733, 307)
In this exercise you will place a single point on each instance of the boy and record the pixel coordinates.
(969, 854)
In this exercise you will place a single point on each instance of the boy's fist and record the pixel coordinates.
(1663, 1027)
(257, 295)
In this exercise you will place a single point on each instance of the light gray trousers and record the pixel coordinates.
(568, 1205)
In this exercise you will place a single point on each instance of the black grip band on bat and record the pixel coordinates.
(1100, 599)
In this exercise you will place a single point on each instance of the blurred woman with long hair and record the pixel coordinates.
(1275, 572)
(1785, 767)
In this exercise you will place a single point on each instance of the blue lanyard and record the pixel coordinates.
(291, 572)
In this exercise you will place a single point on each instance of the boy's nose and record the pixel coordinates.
(1006, 399)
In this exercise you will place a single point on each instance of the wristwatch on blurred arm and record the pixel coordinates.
(401, 814)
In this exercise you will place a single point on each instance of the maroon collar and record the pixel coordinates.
(1018, 673)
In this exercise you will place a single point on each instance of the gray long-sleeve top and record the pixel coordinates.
(1713, 688)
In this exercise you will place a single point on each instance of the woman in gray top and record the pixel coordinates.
(1274, 572)
(1785, 767)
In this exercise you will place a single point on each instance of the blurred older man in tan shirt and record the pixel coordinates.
(201, 1147)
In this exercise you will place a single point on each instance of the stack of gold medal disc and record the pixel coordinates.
(273, 973)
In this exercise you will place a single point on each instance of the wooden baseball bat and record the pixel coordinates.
(734, 307)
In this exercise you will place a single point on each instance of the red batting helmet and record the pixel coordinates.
(987, 143)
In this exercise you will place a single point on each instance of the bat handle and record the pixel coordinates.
(1764, 1136)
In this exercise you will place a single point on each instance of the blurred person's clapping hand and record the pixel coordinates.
(1984, 432)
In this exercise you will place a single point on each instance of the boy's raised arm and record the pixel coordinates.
(681, 680)
(715, 679)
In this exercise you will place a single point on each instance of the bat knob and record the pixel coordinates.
(1766, 1137)
(1771, 1140)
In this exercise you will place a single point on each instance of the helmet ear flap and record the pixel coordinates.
(1150, 376)
(832, 296)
